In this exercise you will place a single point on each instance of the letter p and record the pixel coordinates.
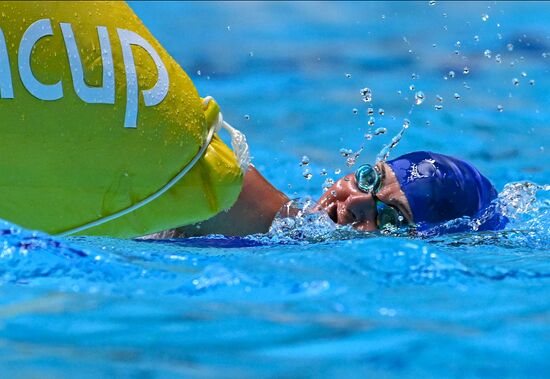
(151, 96)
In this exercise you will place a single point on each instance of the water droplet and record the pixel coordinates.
(510, 47)
(348, 76)
(370, 111)
(428, 123)
(367, 95)
(458, 44)
(532, 82)
(484, 16)
(351, 161)
(431, 2)
(337, 171)
(333, 192)
(307, 174)
(381, 112)
(466, 85)
(368, 136)
(476, 38)
(439, 98)
(380, 131)
(355, 111)
(247, 117)
(406, 123)
(411, 87)
(345, 152)
(371, 121)
(414, 76)
(457, 96)
(323, 172)
(500, 108)
(466, 70)
(251, 53)
(434, 44)
(419, 97)
(499, 36)
(515, 81)
(438, 107)
(451, 74)
(199, 72)
(328, 182)
(304, 161)
(498, 58)
(228, 28)
(487, 53)
(524, 74)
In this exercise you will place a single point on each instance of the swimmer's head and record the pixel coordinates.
(419, 188)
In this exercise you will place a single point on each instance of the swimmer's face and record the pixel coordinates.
(346, 204)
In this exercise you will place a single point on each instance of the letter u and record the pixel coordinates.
(102, 95)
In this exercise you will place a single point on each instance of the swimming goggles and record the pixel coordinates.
(369, 180)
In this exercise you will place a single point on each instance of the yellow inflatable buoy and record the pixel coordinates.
(102, 132)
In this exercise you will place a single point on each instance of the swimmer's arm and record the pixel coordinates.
(253, 211)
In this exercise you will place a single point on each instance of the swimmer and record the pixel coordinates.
(140, 151)
(417, 190)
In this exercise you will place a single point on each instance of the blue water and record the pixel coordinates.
(314, 300)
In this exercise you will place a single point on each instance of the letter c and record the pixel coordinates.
(35, 32)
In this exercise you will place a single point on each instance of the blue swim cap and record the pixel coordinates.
(441, 188)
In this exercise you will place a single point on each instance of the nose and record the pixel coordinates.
(346, 204)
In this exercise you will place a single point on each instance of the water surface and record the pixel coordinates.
(315, 302)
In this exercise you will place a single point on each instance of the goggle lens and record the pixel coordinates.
(367, 178)
(389, 216)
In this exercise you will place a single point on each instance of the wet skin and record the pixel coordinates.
(259, 202)
(346, 204)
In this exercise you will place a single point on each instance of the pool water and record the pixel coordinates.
(314, 300)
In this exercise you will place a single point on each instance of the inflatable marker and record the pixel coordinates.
(102, 131)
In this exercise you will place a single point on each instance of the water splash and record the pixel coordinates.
(301, 220)
(525, 204)
(384, 154)
(526, 207)
(520, 198)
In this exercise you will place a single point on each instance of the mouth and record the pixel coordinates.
(332, 212)
(341, 216)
